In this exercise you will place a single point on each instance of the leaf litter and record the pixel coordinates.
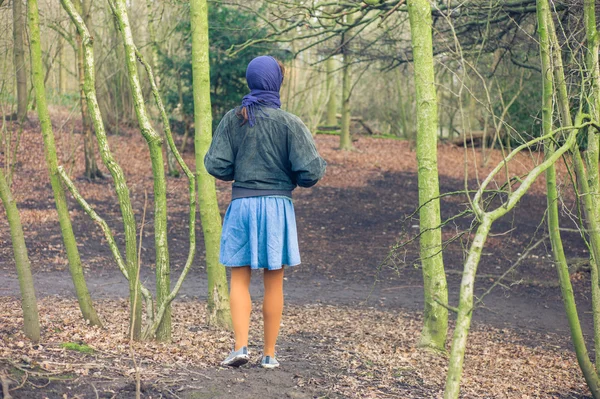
(326, 352)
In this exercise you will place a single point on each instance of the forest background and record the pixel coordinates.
(459, 135)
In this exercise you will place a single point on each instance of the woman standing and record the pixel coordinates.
(267, 152)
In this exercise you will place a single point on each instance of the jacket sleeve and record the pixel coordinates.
(219, 160)
(306, 164)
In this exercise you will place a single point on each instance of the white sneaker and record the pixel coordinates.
(236, 358)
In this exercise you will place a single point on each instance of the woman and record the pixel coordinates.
(267, 152)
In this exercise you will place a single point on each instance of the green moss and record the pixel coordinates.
(72, 346)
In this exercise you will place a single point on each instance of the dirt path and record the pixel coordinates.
(342, 251)
(347, 226)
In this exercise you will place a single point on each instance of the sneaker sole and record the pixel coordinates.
(236, 361)
(269, 366)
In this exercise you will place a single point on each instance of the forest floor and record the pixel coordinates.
(352, 317)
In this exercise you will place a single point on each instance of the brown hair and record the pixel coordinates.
(242, 112)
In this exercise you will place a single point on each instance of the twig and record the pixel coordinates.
(95, 391)
(138, 384)
(390, 12)
(445, 305)
(5, 385)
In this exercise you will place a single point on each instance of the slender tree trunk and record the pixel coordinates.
(62, 71)
(486, 219)
(401, 105)
(465, 311)
(129, 224)
(163, 279)
(218, 298)
(19, 58)
(171, 161)
(91, 168)
(435, 324)
(345, 138)
(331, 89)
(83, 295)
(560, 260)
(31, 322)
(591, 155)
(585, 193)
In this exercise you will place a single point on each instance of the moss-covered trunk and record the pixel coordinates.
(19, 58)
(154, 141)
(218, 297)
(560, 260)
(91, 168)
(129, 224)
(435, 323)
(345, 137)
(331, 117)
(83, 295)
(31, 322)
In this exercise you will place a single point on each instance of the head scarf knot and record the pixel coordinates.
(264, 79)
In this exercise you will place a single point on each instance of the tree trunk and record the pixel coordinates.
(560, 261)
(31, 322)
(163, 279)
(83, 295)
(19, 56)
(62, 71)
(129, 224)
(171, 161)
(91, 168)
(593, 151)
(435, 324)
(345, 138)
(331, 89)
(218, 298)
(584, 187)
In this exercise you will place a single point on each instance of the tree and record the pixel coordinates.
(560, 260)
(435, 323)
(154, 50)
(331, 117)
(31, 322)
(83, 295)
(91, 168)
(154, 141)
(218, 298)
(19, 58)
(227, 26)
(155, 315)
(345, 139)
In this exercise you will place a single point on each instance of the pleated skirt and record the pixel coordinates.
(260, 232)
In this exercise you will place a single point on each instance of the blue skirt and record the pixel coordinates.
(260, 232)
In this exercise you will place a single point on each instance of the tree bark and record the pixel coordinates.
(331, 120)
(593, 150)
(91, 167)
(345, 138)
(83, 295)
(163, 279)
(560, 260)
(171, 160)
(218, 298)
(19, 59)
(31, 322)
(129, 223)
(435, 323)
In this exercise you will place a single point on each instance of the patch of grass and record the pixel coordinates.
(73, 346)
(387, 136)
(329, 132)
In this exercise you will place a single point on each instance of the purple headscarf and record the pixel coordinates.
(264, 79)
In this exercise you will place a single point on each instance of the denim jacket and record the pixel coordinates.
(277, 153)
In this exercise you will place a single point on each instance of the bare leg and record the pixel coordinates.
(241, 304)
(272, 308)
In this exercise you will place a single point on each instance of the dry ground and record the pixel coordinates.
(329, 348)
